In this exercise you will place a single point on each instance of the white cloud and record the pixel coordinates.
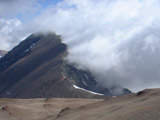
(9, 33)
(118, 40)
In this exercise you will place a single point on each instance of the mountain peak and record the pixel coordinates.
(36, 68)
(26, 47)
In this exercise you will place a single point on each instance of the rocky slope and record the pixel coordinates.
(36, 69)
(143, 105)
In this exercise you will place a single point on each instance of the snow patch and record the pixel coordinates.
(27, 50)
(84, 83)
(32, 46)
(114, 96)
(76, 87)
(64, 77)
(86, 76)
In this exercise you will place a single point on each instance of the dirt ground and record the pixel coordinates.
(144, 105)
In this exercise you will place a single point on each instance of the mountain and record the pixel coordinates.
(2, 53)
(143, 105)
(36, 69)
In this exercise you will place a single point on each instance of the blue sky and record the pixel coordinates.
(40, 6)
(46, 3)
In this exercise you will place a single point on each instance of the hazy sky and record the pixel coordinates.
(119, 40)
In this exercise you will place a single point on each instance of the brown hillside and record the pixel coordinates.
(143, 105)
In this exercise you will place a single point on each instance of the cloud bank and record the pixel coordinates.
(119, 40)
(11, 27)
(9, 33)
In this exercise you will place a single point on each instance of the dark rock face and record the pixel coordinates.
(85, 79)
(36, 69)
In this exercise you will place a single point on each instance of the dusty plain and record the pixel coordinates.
(144, 105)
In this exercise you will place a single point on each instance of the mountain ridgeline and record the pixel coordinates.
(36, 69)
